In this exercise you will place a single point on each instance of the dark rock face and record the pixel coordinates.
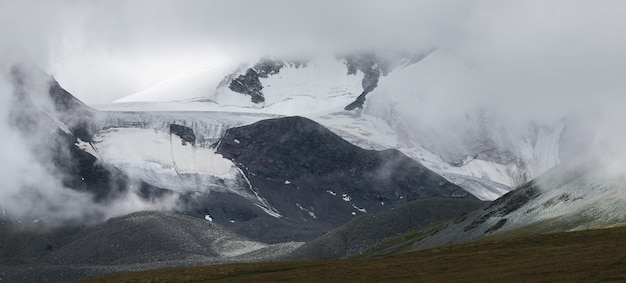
(249, 82)
(303, 169)
(82, 172)
(373, 66)
(372, 70)
(185, 133)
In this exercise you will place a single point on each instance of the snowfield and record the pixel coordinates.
(162, 159)
(169, 151)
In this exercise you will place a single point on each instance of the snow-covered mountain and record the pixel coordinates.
(393, 101)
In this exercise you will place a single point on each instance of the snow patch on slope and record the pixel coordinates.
(164, 160)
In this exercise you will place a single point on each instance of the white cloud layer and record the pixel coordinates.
(103, 50)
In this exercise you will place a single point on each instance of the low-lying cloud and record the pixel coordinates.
(32, 188)
(104, 50)
(537, 51)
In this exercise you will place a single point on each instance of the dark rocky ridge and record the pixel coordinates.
(303, 169)
(372, 68)
(249, 82)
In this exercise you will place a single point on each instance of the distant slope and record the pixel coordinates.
(585, 193)
(368, 230)
(585, 256)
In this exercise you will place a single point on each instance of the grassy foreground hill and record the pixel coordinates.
(583, 256)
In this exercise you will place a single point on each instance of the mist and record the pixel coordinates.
(32, 191)
(104, 50)
(522, 52)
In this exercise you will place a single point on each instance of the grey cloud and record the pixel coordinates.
(32, 191)
(102, 50)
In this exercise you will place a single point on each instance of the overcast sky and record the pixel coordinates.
(104, 50)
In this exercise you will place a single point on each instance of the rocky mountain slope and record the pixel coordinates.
(584, 193)
(308, 174)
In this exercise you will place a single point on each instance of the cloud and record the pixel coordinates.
(549, 53)
(32, 190)
(103, 50)
(530, 59)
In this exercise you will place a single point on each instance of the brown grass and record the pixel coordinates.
(585, 256)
